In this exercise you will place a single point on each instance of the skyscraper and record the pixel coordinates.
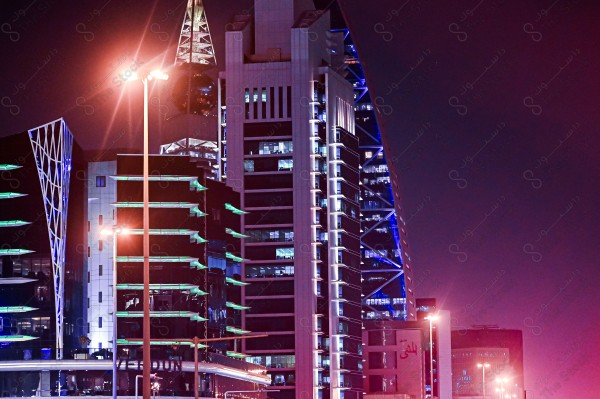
(41, 249)
(386, 266)
(194, 269)
(291, 150)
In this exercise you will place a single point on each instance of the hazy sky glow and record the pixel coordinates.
(490, 115)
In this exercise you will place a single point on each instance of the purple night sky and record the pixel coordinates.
(488, 108)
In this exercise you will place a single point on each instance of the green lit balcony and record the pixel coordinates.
(193, 289)
(236, 354)
(9, 195)
(157, 205)
(16, 309)
(235, 330)
(165, 232)
(155, 178)
(139, 342)
(13, 223)
(16, 338)
(235, 233)
(234, 258)
(164, 259)
(194, 234)
(233, 209)
(14, 252)
(233, 281)
(194, 183)
(7, 166)
(236, 306)
(197, 186)
(197, 212)
(193, 316)
(196, 238)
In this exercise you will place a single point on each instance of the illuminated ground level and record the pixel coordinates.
(93, 377)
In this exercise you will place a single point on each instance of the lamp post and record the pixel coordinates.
(483, 366)
(146, 391)
(431, 319)
(107, 232)
(501, 381)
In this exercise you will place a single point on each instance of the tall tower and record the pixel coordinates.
(195, 44)
(289, 146)
(191, 120)
(386, 266)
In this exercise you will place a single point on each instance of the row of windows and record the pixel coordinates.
(369, 155)
(269, 235)
(282, 165)
(385, 301)
(25, 266)
(279, 361)
(383, 168)
(274, 147)
(269, 271)
(268, 103)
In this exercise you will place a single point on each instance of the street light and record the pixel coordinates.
(501, 381)
(483, 366)
(146, 392)
(431, 319)
(114, 232)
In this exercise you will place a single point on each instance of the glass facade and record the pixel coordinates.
(385, 267)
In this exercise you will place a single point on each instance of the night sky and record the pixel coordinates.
(490, 111)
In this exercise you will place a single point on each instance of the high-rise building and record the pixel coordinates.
(102, 215)
(386, 264)
(290, 148)
(194, 270)
(502, 349)
(42, 238)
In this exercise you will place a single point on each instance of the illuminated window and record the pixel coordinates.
(285, 164)
(284, 253)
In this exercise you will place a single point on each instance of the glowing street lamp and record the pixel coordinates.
(483, 366)
(431, 319)
(501, 381)
(147, 389)
(105, 233)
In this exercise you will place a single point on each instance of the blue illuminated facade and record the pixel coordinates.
(386, 272)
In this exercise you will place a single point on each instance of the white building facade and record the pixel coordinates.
(102, 194)
(289, 148)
